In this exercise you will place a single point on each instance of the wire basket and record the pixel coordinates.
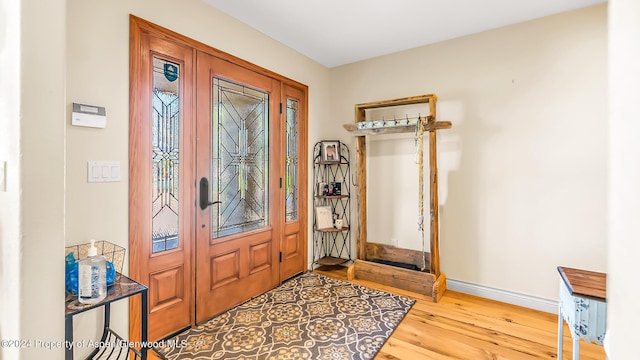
(112, 252)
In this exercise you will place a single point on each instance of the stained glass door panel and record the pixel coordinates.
(291, 161)
(240, 158)
(165, 135)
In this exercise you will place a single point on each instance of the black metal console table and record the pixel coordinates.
(112, 345)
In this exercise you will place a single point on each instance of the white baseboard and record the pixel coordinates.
(510, 297)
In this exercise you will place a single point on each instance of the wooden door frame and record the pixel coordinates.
(138, 26)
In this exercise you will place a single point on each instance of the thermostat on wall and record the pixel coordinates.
(89, 115)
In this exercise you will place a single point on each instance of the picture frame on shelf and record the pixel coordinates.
(323, 189)
(330, 151)
(335, 188)
(324, 217)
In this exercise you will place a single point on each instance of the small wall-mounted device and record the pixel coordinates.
(89, 115)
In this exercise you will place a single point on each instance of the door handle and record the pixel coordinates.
(204, 194)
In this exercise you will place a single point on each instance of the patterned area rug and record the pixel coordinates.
(308, 317)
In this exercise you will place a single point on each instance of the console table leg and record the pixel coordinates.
(576, 347)
(68, 337)
(145, 309)
(560, 332)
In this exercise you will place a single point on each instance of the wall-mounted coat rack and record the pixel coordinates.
(428, 280)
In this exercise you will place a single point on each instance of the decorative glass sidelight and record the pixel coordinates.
(240, 159)
(165, 136)
(291, 161)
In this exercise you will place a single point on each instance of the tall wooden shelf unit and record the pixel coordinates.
(430, 281)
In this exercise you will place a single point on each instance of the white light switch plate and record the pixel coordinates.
(103, 171)
(3, 176)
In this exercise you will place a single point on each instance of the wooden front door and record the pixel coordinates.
(238, 169)
(217, 205)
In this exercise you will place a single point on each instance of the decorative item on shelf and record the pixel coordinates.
(112, 252)
(322, 189)
(324, 219)
(331, 151)
(335, 188)
(339, 223)
(92, 277)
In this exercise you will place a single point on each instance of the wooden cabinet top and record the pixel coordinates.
(585, 283)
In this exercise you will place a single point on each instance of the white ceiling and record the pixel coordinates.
(337, 32)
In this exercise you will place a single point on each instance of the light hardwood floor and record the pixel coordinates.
(468, 327)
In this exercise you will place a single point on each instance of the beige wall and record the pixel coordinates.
(32, 92)
(523, 185)
(42, 169)
(98, 74)
(624, 177)
(9, 152)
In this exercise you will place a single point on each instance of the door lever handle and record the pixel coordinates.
(209, 203)
(204, 194)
